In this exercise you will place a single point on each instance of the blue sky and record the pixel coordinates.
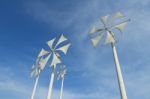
(26, 25)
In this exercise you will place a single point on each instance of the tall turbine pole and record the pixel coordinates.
(35, 86)
(51, 82)
(61, 90)
(119, 73)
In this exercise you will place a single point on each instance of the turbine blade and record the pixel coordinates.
(104, 19)
(109, 38)
(42, 53)
(43, 62)
(61, 39)
(55, 60)
(33, 66)
(96, 40)
(34, 72)
(64, 70)
(93, 30)
(58, 75)
(50, 43)
(64, 48)
(121, 26)
(118, 15)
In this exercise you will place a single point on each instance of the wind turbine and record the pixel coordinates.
(98, 33)
(41, 61)
(61, 75)
(56, 46)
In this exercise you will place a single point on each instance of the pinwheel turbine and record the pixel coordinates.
(56, 46)
(41, 61)
(106, 32)
(61, 75)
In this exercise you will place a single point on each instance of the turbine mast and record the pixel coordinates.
(61, 90)
(119, 73)
(51, 82)
(35, 85)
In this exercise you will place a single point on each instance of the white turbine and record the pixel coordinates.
(41, 61)
(110, 39)
(54, 50)
(61, 75)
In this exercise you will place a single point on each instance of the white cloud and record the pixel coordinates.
(9, 83)
(80, 18)
(23, 91)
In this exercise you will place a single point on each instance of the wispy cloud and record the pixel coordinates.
(96, 65)
(21, 90)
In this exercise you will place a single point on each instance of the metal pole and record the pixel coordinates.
(34, 89)
(51, 83)
(61, 90)
(119, 74)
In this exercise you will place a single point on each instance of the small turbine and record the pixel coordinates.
(61, 75)
(110, 39)
(55, 49)
(41, 61)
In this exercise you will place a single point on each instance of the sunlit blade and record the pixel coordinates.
(93, 30)
(55, 60)
(64, 48)
(104, 19)
(64, 70)
(43, 62)
(32, 74)
(118, 15)
(121, 26)
(58, 75)
(109, 38)
(42, 53)
(61, 39)
(50, 43)
(96, 40)
(34, 71)
(33, 66)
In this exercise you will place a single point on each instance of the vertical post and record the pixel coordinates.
(34, 89)
(61, 90)
(51, 83)
(119, 74)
